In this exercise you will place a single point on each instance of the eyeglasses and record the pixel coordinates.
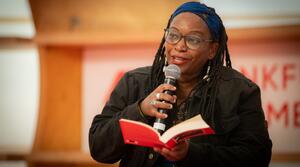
(193, 42)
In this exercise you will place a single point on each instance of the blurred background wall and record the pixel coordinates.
(19, 81)
(59, 60)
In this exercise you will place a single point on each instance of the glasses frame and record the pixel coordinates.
(167, 30)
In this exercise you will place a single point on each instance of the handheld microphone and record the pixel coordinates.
(172, 73)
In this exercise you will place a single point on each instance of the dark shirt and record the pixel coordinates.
(241, 140)
(162, 162)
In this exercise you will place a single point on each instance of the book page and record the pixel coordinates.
(193, 123)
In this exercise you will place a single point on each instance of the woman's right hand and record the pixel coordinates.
(150, 105)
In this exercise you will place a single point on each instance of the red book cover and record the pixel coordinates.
(138, 133)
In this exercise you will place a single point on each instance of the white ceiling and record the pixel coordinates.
(14, 9)
(257, 13)
(15, 19)
(255, 7)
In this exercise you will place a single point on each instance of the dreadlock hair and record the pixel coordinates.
(207, 87)
(157, 74)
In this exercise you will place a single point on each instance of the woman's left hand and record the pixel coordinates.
(177, 153)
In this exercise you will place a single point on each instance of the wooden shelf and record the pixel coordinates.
(68, 158)
(128, 37)
(286, 157)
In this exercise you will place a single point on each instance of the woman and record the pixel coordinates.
(196, 41)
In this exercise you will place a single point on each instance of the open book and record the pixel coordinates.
(141, 134)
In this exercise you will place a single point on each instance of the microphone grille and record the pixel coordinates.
(172, 71)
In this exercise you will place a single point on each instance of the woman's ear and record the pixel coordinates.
(213, 50)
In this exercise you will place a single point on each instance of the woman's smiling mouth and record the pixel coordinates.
(178, 60)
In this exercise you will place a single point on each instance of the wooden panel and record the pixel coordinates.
(59, 123)
(15, 43)
(101, 20)
(115, 16)
(58, 134)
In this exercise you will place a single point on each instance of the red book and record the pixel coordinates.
(138, 133)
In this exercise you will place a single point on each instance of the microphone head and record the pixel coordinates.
(172, 71)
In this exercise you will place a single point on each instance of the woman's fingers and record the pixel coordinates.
(164, 87)
(166, 97)
(162, 105)
(158, 100)
(179, 152)
(160, 115)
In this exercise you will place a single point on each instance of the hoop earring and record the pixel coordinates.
(206, 77)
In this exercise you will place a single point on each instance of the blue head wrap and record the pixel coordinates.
(208, 14)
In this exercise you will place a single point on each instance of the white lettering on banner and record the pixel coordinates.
(279, 80)
(287, 74)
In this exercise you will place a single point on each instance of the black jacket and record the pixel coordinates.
(242, 138)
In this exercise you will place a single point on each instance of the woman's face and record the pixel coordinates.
(190, 61)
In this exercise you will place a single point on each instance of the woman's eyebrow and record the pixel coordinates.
(190, 32)
(196, 32)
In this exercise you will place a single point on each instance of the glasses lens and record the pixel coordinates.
(172, 36)
(193, 42)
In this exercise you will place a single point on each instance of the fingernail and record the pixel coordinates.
(174, 98)
(165, 115)
(170, 106)
(174, 88)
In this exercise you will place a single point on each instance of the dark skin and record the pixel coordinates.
(190, 63)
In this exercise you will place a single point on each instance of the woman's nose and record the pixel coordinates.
(181, 45)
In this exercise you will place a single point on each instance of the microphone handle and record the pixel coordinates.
(160, 124)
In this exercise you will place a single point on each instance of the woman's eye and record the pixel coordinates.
(193, 40)
(173, 36)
